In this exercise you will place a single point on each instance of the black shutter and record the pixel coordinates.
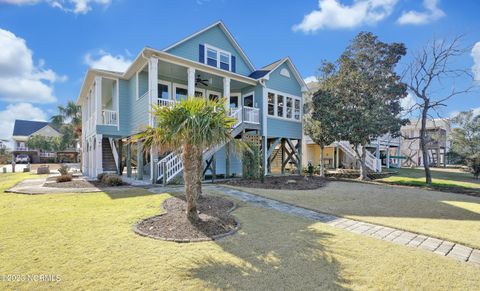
(234, 64)
(201, 53)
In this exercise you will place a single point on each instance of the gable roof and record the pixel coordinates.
(264, 73)
(227, 33)
(27, 127)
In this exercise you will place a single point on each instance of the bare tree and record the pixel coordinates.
(432, 78)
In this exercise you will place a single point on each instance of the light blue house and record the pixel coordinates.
(267, 103)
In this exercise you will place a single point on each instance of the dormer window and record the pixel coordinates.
(218, 58)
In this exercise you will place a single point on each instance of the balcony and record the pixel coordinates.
(251, 115)
(165, 102)
(109, 117)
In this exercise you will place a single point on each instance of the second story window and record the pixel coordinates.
(212, 57)
(218, 58)
(224, 61)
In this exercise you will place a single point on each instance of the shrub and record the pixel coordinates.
(112, 180)
(100, 176)
(63, 170)
(64, 178)
(252, 162)
(43, 170)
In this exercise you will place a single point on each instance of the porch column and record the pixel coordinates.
(227, 160)
(377, 155)
(153, 164)
(120, 157)
(337, 158)
(399, 152)
(191, 82)
(388, 155)
(98, 154)
(299, 141)
(152, 86)
(98, 100)
(226, 90)
(129, 160)
(139, 161)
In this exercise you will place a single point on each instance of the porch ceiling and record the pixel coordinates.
(167, 70)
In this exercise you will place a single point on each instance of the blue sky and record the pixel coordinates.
(46, 46)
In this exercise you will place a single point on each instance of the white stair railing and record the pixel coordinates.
(171, 165)
(114, 151)
(370, 160)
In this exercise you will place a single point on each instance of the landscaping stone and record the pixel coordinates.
(444, 248)
(460, 252)
(433, 245)
(404, 238)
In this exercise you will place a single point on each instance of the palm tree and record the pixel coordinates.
(70, 113)
(190, 126)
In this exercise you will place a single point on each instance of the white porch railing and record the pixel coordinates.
(109, 117)
(370, 160)
(251, 115)
(21, 149)
(165, 102)
(237, 114)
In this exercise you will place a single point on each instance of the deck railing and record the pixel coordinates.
(109, 117)
(251, 115)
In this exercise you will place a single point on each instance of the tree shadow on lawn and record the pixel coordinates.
(272, 251)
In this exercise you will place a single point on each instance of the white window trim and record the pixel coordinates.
(169, 87)
(174, 91)
(208, 92)
(218, 50)
(285, 95)
(201, 90)
(248, 94)
(238, 95)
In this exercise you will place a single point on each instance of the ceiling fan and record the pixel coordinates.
(204, 82)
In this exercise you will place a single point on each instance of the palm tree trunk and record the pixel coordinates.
(190, 175)
(322, 164)
(199, 165)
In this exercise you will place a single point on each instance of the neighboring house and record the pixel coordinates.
(23, 129)
(208, 64)
(438, 144)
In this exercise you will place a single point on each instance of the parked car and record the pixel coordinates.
(22, 159)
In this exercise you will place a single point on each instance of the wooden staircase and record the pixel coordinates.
(108, 161)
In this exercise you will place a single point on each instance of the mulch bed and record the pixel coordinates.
(77, 183)
(281, 182)
(173, 225)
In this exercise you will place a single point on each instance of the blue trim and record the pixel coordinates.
(234, 64)
(201, 53)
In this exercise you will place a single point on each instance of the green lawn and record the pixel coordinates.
(450, 216)
(87, 239)
(442, 178)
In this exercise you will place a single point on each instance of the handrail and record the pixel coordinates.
(109, 117)
(114, 152)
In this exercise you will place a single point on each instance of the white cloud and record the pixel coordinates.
(431, 14)
(107, 61)
(476, 61)
(20, 79)
(408, 103)
(18, 111)
(74, 6)
(333, 14)
(476, 111)
(310, 79)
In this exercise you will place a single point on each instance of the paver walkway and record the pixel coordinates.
(425, 242)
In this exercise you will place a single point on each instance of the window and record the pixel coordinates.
(289, 107)
(163, 91)
(224, 61)
(181, 93)
(271, 104)
(198, 94)
(248, 100)
(212, 57)
(296, 114)
(280, 105)
(234, 101)
(218, 58)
